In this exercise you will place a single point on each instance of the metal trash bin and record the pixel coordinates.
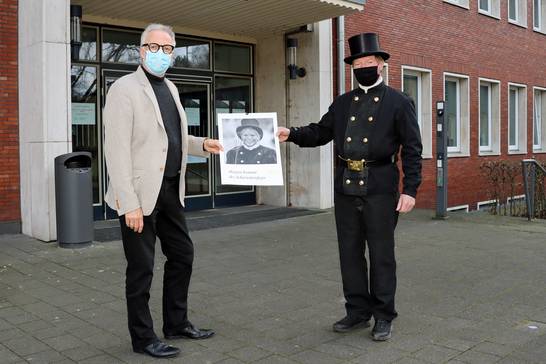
(74, 199)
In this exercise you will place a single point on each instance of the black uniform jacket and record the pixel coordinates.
(371, 126)
(259, 155)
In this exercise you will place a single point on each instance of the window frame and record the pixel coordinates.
(494, 117)
(489, 146)
(424, 114)
(521, 115)
(493, 11)
(521, 13)
(541, 28)
(459, 3)
(463, 118)
(540, 148)
(515, 91)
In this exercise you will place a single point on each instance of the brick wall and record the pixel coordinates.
(442, 37)
(9, 125)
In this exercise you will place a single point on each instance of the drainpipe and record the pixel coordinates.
(340, 55)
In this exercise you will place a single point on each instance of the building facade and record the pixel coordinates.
(10, 212)
(487, 60)
(228, 59)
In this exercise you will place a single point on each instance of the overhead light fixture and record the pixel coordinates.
(294, 70)
(76, 12)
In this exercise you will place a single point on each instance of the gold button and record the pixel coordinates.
(365, 140)
(349, 139)
(357, 98)
(348, 181)
(353, 118)
(361, 183)
(370, 119)
(376, 99)
(162, 169)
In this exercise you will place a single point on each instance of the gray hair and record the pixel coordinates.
(155, 26)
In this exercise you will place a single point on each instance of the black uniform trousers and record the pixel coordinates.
(371, 219)
(167, 222)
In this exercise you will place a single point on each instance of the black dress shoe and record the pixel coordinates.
(190, 332)
(382, 330)
(349, 323)
(159, 350)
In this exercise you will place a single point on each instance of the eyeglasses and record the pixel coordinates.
(154, 47)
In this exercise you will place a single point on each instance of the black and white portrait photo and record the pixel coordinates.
(249, 140)
(251, 147)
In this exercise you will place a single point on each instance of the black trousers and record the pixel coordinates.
(167, 222)
(370, 219)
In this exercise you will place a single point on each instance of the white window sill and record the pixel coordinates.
(426, 156)
(541, 31)
(457, 4)
(517, 23)
(514, 152)
(457, 155)
(488, 153)
(539, 151)
(486, 13)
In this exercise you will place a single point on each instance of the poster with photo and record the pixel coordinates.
(251, 154)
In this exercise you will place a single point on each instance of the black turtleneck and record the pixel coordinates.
(171, 121)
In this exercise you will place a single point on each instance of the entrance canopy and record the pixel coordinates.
(249, 18)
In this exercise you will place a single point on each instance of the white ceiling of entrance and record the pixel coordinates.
(250, 18)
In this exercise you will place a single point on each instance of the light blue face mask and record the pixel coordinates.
(158, 63)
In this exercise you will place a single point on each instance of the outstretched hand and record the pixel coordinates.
(282, 134)
(212, 146)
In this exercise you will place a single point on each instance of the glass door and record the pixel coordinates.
(232, 94)
(195, 97)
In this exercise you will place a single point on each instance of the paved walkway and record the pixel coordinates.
(471, 289)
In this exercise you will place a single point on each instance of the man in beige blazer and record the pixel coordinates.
(146, 148)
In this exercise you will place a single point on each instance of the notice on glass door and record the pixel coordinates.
(251, 154)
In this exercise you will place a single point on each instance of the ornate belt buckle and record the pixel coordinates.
(357, 166)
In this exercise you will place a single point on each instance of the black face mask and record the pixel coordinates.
(366, 76)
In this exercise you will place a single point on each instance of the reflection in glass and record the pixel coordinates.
(88, 50)
(512, 124)
(485, 114)
(120, 47)
(232, 58)
(411, 88)
(513, 9)
(537, 123)
(194, 98)
(452, 113)
(191, 53)
(84, 111)
(232, 95)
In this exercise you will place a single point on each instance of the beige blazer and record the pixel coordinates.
(135, 144)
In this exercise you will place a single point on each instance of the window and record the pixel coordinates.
(489, 115)
(517, 12)
(457, 114)
(517, 119)
(191, 53)
(232, 58)
(489, 7)
(417, 84)
(120, 46)
(539, 15)
(461, 3)
(539, 123)
(485, 117)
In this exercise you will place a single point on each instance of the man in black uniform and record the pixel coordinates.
(368, 126)
(251, 152)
